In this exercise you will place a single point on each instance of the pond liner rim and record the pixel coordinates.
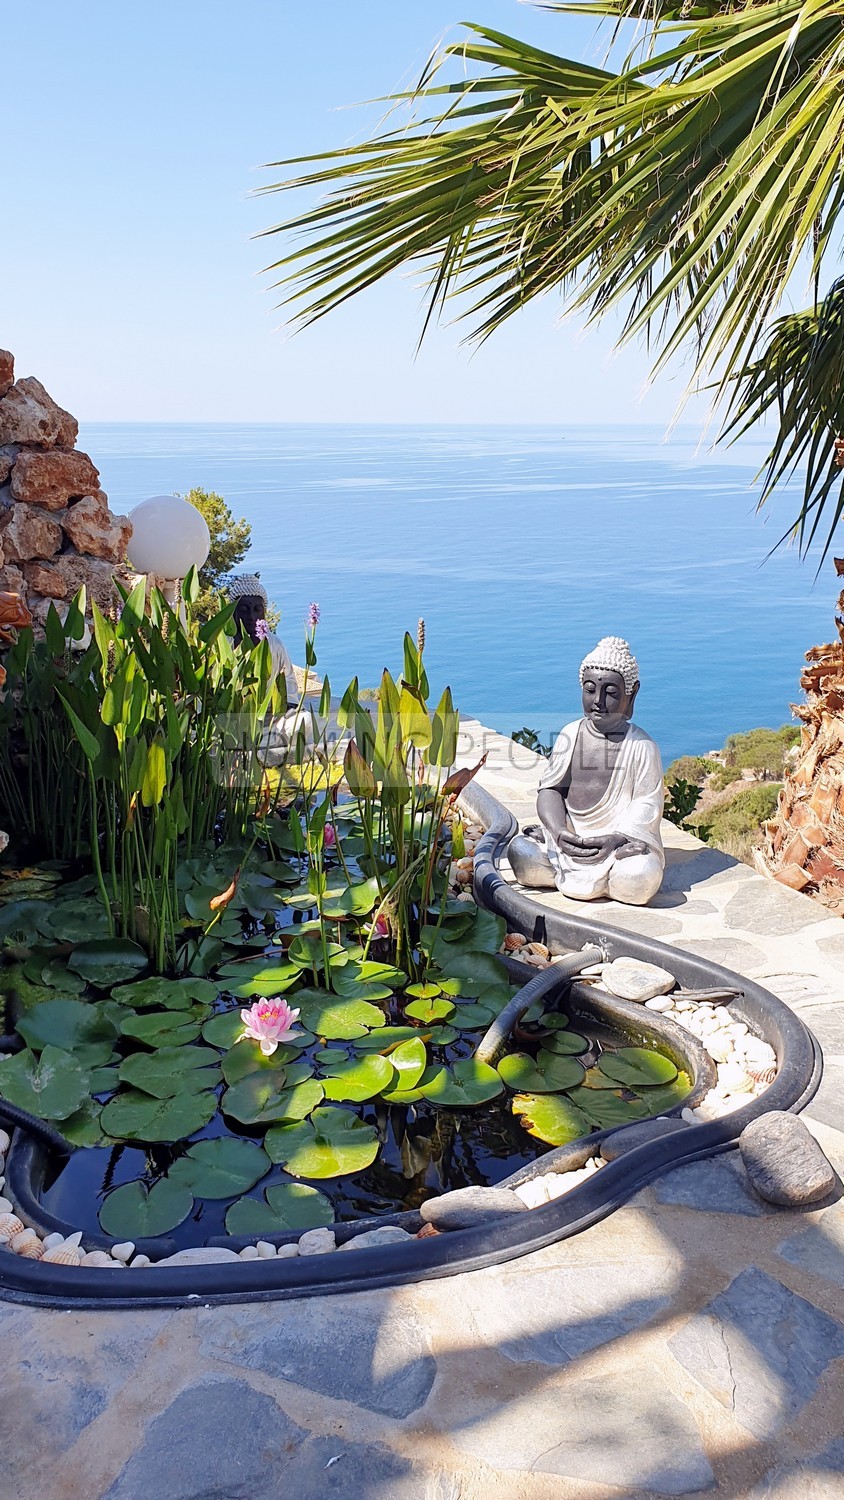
(798, 1077)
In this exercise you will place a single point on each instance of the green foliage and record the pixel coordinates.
(691, 768)
(530, 739)
(681, 799)
(724, 776)
(682, 190)
(230, 542)
(762, 750)
(742, 816)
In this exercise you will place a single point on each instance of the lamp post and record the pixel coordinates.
(169, 537)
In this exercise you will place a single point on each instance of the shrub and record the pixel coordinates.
(762, 750)
(691, 768)
(743, 816)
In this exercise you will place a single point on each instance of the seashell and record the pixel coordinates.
(760, 1074)
(426, 1231)
(466, 863)
(463, 877)
(512, 941)
(539, 949)
(10, 1225)
(5, 1142)
(465, 896)
(27, 1244)
(98, 1258)
(62, 1255)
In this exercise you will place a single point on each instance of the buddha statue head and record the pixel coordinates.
(251, 603)
(609, 680)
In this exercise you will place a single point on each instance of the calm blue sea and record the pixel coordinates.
(519, 546)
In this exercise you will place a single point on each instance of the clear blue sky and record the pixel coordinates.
(134, 137)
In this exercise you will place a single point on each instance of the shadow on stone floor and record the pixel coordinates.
(504, 1384)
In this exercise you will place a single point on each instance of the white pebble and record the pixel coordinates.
(532, 1193)
(74, 1241)
(125, 1251)
(250, 1252)
(286, 1252)
(52, 1240)
(720, 1047)
(140, 1262)
(660, 1003)
(689, 1116)
(2, 1163)
(265, 1250)
(6, 1207)
(317, 1242)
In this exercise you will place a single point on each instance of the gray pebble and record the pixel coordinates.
(639, 1134)
(390, 1234)
(466, 1207)
(784, 1161)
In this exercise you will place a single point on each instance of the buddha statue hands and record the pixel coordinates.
(600, 800)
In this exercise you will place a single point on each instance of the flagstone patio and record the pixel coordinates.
(691, 1344)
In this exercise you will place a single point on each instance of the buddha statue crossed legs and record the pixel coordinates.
(601, 797)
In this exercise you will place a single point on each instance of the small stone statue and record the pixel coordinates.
(600, 800)
(250, 619)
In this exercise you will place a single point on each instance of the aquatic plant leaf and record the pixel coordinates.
(264, 981)
(223, 1030)
(170, 1070)
(429, 1011)
(332, 1143)
(289, 1205)
(79, 920)
(565, 1042)
(474, 1017)
(667, 1096)
(553, 1020)
(51, 1086)
(409, 1059)
(71, 1025)
(107, 961)
(57, 976)
(423, 991)
(246, 1057)
(388, 1037)
(358, 1078)
(165, 1028)
(464, 1084)
(258, 1099)
(594, 1078)
(638, 1067)
(306, 950)
(170, 994)
(220, 1168)
(367, 981)
(338, 1019)
(353, 901)
(133, 1116)
(83, 1127)
(136, 1212)
(546, 1074)
(29, 919)
(104, 1080)
(482, 974)
(607, 1109)
(551, 1117)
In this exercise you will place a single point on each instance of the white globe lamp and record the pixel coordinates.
(169, 537)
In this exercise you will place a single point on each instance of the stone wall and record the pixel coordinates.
(56, 530)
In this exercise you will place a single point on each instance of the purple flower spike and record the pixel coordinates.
(262, 630)
(313, 616)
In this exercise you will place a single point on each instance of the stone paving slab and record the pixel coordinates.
(691, 1344)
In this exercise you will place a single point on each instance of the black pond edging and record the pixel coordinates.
(798, 1076)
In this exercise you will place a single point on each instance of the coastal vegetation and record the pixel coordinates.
(689, 190)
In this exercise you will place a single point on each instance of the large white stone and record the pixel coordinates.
(631, 979)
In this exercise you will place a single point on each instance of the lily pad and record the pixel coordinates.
(104, 1080)
(463, 1085)
(367, 981)
(136, 1212)
(51, 1087)
(474, 1017)
(388, 1037)
(551, 1117)
(258, 1099)
(78, 921)
(264, 982)
(481, 973)
(606, 1109)
(409, 1060)
(223, 1030)
(171, 1070)
(133, 1116)
(165, 1028)
(594, 1078)
(220, 1168)
(107, 961)
(169, 994)
(423, 991)
(71, 1025)
(668, 1096)
(546, 1074)
(56, 975)
(565, 1042)
(358, 1078)
(429, 1011)
(290, 1205)
(338, 1019)
(637, 1067)
(332, 1143)
(246, 1057)
(83, 1127)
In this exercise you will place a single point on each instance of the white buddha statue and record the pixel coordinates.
(601, 797)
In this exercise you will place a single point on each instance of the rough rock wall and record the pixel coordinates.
(804, 844)
(56, 530)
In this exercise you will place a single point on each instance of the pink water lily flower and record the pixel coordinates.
(381, 927)
(269, 1022)
(329, 836)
